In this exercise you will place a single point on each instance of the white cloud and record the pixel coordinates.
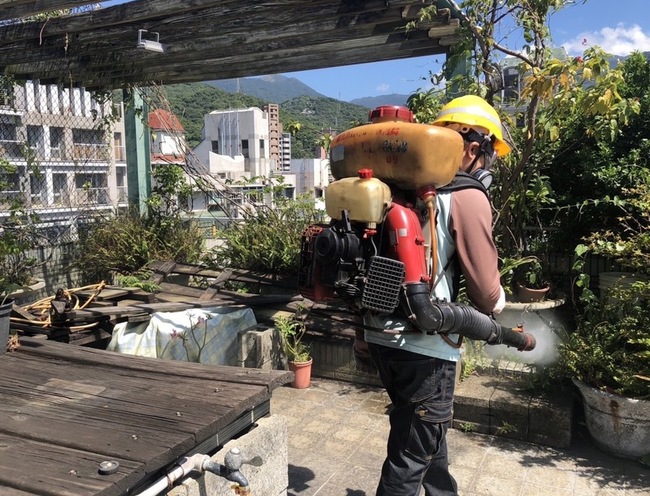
(382, 88)
(621, 40)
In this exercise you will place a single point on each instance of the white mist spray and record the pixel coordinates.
(544, 325)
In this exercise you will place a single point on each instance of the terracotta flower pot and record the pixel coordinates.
(302, 374)
(530, 295)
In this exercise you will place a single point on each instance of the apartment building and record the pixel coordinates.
(237, 150)
(56, 157)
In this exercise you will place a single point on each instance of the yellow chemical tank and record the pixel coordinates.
(407, 154)
(364, 197)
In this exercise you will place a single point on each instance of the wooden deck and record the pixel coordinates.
(66, 409)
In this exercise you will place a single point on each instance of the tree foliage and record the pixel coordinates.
(564, 104)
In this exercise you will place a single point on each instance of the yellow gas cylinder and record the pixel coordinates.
(366, 198)
(398, 150)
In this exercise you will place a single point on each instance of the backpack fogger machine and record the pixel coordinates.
(372, 255)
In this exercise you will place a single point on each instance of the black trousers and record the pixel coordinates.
(421, 389)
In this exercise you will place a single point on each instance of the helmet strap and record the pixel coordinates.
(486, 150)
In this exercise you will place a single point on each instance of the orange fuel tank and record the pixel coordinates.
(399, 151)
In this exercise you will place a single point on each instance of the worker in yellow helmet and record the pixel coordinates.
(419, 370)
(480, 126)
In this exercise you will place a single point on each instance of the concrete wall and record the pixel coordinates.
(268, 441)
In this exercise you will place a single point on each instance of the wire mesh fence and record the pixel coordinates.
(57, 163)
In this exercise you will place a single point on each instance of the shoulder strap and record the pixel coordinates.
(463, 180)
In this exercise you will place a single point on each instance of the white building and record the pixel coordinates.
(312, 175)
(236, 149)
(235, 144)
(60, 161)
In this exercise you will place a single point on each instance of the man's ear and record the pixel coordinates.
(474, 149)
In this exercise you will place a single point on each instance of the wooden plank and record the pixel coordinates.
(135, 415)
(164, 306)
(197, 303)
(60, 471)
(177, 289)
(186, 269)
(70, 47)
(110, 293)
(10, 491)
(91, 313)
(88, 337)
(107, 361)
(162, 271)
(107, 293)
(88, 405)
(210, 294)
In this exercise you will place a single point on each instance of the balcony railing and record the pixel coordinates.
(89, 151)
(77, 198)
(120, 153)
(122, 194)
(14, 150)
(92, 196)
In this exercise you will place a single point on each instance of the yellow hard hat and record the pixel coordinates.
(474, 112)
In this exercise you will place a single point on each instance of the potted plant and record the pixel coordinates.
(607, 357)
(292, 330)
(18, 235)
(542, 317)
(531, 283)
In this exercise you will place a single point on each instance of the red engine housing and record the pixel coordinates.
(406, 242)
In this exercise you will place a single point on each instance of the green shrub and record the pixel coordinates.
(610, 348)
(127, 242)
(268, 239)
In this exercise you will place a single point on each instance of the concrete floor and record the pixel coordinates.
(337, 434)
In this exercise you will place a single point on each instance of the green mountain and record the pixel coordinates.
(274, 89)
(372, 102)
(279, 89)
(316, 115)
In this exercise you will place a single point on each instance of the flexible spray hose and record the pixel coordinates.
(454, 318)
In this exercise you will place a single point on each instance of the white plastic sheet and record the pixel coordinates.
(201, 335)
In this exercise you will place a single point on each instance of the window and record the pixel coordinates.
(215, 146)
(56, 142)
(34, 136)
(89, 144)
(262, 154)
(37, 189)
(7, 132)
(244, 149)
(511, 85)
(35, 140)
(118, 148)
(88, 136)
(91, 189)
(60, 188)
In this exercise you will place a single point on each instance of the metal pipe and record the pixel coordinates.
(202, 463)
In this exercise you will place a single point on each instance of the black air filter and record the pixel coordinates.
(383, 282)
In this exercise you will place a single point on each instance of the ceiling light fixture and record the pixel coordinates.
(151, 45)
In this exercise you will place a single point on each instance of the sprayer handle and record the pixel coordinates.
(517, 338)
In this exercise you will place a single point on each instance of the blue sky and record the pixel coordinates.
(619, 27)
